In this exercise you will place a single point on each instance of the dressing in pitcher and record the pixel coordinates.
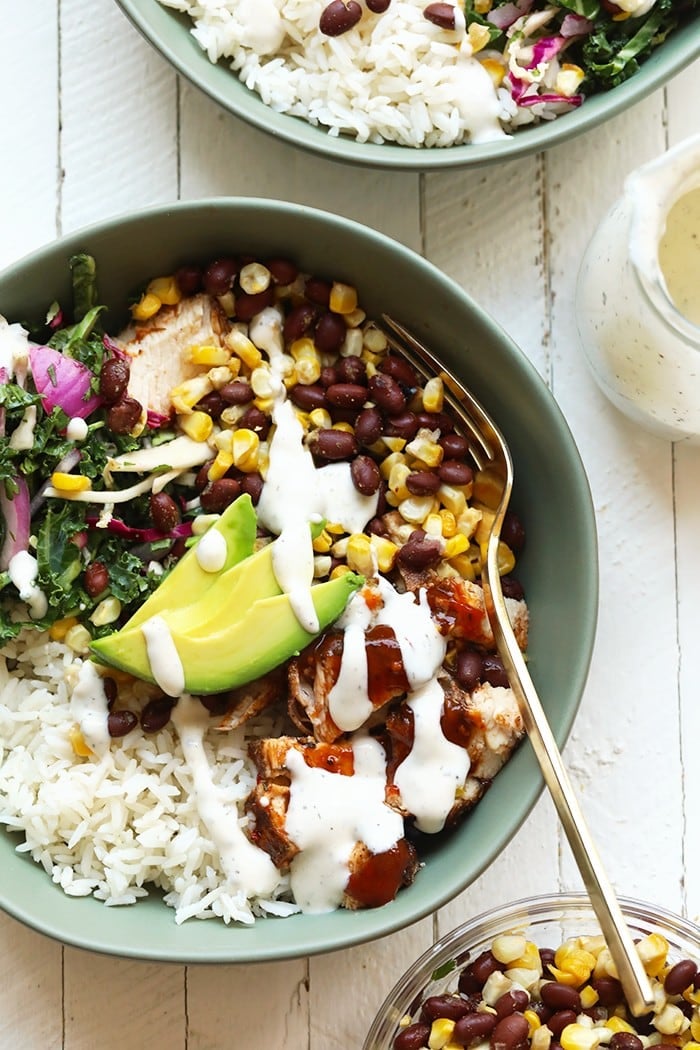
(638, 296)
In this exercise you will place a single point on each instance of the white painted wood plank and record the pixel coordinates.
(222, 156)
(116, 1003)
(31, 988)
(29, 117)
(627, 729)
(260, 1005)
(119, 114)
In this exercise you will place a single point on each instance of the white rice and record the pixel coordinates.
(116, 825)
(395, 77)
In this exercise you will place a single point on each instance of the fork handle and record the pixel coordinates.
(633, 978)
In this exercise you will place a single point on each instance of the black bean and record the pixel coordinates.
(387, 394)
(283, 271)
(560, 996)
(308, 397)
(347, 395)
(365, 475)
(238, 392)
(422, 483)
(435, 421)
(400, 370)
(680, 977)
(156, 714)
(420, 551)
(119, 723)
(442, 15)
(247, 305)
(559, 1020)
(609, 990)
(220, 494)
(455, 446)
(329, 333)
(512, 588)
(213, 404)
(405, 426)
(512, 1001)
(96, 578)
(454, 472)
(188, 279)
(318, 291)
(339, 16)
(219, 275)
(352, 369)
(493, 670)
(473, 1027)
(329, 376)
(123, 416)
(625, 1041)
(513, 532)
(477, 973)
(114, 379)
(256, 420)
(368, 426)
(332, 444)
(510, 1033)
(451, 1006)
(110, 690)
(298, 321)
(377, 7)
(415, 1037)
(252, 485)
(468, 669)
(165, 512)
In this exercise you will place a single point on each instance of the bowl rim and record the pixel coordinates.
(363, 926)
(515, 914)
(682, 47)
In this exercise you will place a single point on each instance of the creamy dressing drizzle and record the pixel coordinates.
(296, 491)
(476, 99)
(14, 349)
(248, 868)
(422, 646)
(328, 814)
(77, 429)
(166, 665)
(89, 708)
(23, 571)
(211, 551)
(22, 437)
(434, 769)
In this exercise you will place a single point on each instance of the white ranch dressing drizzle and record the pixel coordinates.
(475, 98)
(295, 491)
(248, 868)
(348, 702)
(328, 815)
(23, 571)
(211, 551)
(435, 768)
(22, 437)
(166, 665)
(89, 707)
(422, 646)
(14, 348)
(77, 429)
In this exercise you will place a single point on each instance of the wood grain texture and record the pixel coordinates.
(107, 127)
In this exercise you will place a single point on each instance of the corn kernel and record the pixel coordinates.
(227, 302)
(541, 1037)
(425, 448)
(320, 418)
(433, 524)
(478, 36)
(618, 1024)
(208, 354)
(242, 346)
(573, 965)
(433, 395)
(147, 307)
(78, 638)
(449, 523)
(166, 289)
(59, 629)
(339, 570)
(69, 482)
(589, 997)
(416, 509)
(254, 278)
(347, 428)
(374, 340)
(653, 950)
(496, 985)
(577, 1037)
(530, 958)
(223, 462)
(670, 1020)
(506, 559)
(440, 1033)
(77, 741)
(307, 370)
(384, 551)
(695, 1028)
(533, 1022)
(185, 396)
(488, 488)
(245, 449)
(452, 499)
(456, 545)
(323, 542)
(466, 566)
(107, 611)
(360, 555)
(568, 79)
(198, 425)
(482, 7)
(335, 528)
(265, 404)
(394, 444)
(495, 69)
(508, 947)
(396, 478)
(343, 299)
(483, 529)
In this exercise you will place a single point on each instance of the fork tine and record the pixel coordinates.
(460, 400)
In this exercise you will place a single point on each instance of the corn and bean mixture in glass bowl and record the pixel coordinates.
(537, 975)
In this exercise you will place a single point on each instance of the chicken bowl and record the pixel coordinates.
(247, 673)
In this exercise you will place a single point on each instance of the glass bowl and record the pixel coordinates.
(547, 920)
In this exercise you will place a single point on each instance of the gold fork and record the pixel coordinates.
(492, 457)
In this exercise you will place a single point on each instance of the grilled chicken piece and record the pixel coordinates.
(158, 348)
(486, 722)
(249, 700)
(374, 879)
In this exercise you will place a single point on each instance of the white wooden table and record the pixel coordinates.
(94, 123)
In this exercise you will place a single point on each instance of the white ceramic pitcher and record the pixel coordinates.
(638, 296)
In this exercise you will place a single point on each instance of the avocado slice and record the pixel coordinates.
(189, 582)
(248, 646)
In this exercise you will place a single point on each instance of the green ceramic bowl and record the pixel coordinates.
(169, 32)
(558, 569)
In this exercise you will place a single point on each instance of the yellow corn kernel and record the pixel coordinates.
(347, 428)
(198, 425)
(456, 545)
(246, 444)
(185, 396)
(307, 371)
(540, 1038)
(69, 482)
(482, 7)
(223, 441)
(529, 960)
(670, 1020)
(320, 418)
(397, 481)
(465, 565)
(605, 966)
(208, 354)
(453, 500)
(495, 68)
(653, 950)
(487, 488)
(323, 542)
(440, 1033)
(254, 278)
(391, 461)
(695, 1028)
(573, 965)
(303, 347)
(394, 444)
(618, 1024)
(589, 997)
(568, 79)
(147, 307)
(478, 36)
(108, 610)
(433, 525)
(506, 559)
(78, 638)
(339, 570)
(425, 449)
(242, 346)
(449, 523)
(433, 395)
(77, 742)
(508, 947)
(533, 1022)
(577, 1037)
(359, 554)
(59, 629)
(166, 289)
(223, 462)
(343, 298)
(265, 404)
(263, 382)
(384, 551)
(483, 529)
(416, 509)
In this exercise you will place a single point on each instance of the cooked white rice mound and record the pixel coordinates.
(112, 826)
(395, 77)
